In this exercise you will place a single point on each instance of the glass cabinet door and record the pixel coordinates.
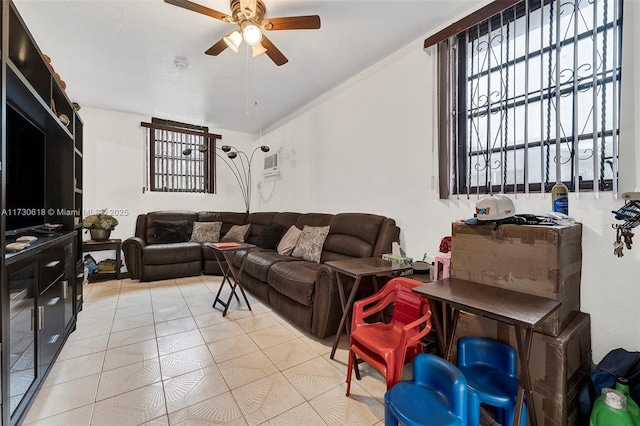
(22, 331)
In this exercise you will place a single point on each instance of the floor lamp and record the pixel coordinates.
(242, 172)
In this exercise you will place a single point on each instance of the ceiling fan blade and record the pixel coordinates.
(200, 9)
(311, 22)
(248, 8)
(217, 48)
(273, 52)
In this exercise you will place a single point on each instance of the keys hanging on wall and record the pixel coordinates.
(627, 236)
(629, 214)
(617, 245)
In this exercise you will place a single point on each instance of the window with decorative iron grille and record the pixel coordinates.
(534, 95)
(180, 157)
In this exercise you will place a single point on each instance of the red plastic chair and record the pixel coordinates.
(388, 346)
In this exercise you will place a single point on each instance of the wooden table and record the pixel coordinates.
(523, 311)
(115, 244)
(225, 251)
(358, 269)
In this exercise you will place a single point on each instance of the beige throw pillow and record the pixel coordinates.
(206, 232)
(289, 241)
(236, 234)
(310, 243)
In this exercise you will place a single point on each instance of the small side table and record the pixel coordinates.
(358, 269)
(115, 244)
(521, 310)
(225, 251)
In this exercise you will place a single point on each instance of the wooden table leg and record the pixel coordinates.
(438, 326)
(118, 260)
(345, 311)
(236, 283)
(455, 314)
(524, 352)
(225, 278)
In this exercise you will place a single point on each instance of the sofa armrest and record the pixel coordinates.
(132, 248)
(327, 310)
(141, 226)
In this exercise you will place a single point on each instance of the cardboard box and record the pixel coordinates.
(541, 260)
(559, 366)
(402, 260)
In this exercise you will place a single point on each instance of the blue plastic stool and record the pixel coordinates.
(491, 370)
(437, 395)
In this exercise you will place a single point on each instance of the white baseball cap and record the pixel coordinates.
(495, 207)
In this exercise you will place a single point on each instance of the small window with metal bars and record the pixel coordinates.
(535, 95)
(180, 157)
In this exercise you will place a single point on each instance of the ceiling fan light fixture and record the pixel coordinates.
(233, 40)
(248, 13)
(249, 18)
(258, 49)
(251, 34)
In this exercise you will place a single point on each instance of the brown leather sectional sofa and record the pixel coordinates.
(303, 291)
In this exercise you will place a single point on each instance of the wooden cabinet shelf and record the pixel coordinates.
(33, 95)
(27, 60)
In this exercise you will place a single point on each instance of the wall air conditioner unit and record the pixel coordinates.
(272, 165)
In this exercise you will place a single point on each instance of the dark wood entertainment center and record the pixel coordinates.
(42, 283)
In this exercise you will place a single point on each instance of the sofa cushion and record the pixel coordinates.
(237, 233)
(258, 221)
(147, 223)
(296, 280)
(228, 219)
(314, 219)
(270, 236)
(289, 241)
(257, 263)
(309, 245)
(352, 235)
(171, 231)
(206, 232)
(159, 254)
(286, 218)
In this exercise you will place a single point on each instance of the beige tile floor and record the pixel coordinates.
(158, 354)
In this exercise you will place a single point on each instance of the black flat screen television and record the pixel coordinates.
(25, 175)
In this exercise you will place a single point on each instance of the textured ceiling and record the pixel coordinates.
(120, 54)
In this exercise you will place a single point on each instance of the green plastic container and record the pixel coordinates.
(610, 409)
(622, 386)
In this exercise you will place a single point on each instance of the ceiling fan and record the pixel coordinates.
(248, 15)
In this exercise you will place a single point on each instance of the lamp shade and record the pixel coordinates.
(252, 34)
(233, 40)
(258, 49)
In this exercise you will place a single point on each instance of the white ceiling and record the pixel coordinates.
(119, 54)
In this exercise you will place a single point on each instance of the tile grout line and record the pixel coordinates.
(298, 338)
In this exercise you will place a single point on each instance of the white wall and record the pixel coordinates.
(368, 147)
(113, 171)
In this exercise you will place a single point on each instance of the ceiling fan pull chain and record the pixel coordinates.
(247, 106)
